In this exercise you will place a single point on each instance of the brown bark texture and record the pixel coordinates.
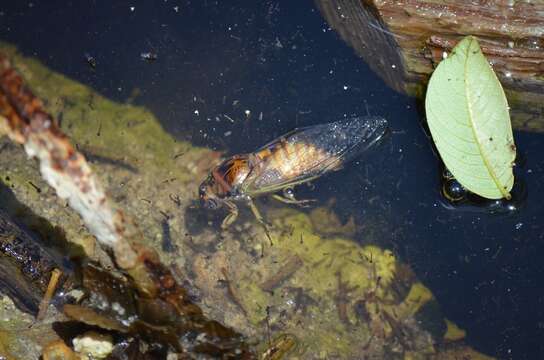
(404, 40)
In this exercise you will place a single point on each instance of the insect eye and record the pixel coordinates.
(202, 191)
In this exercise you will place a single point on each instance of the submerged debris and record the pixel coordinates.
(90, 60)
(112, 302)
(281, 347)
(94, 345)
(149, 56)
(25, 266)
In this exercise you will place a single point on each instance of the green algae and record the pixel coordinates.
(90, 119)
(334, 274)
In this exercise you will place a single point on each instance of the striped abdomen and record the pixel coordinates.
(292, 159)
(306, 153)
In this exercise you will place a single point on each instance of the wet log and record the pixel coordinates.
(403, 41)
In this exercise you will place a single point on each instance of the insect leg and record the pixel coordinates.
(292, 200)
(231, 217)
(289, 193)
(260, 218)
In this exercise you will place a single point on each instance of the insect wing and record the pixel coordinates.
(306, 153)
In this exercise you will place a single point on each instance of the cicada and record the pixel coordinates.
(299, 156)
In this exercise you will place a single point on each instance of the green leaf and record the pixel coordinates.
(469, 121)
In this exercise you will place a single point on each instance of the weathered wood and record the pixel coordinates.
(403, 40)
(25, 265)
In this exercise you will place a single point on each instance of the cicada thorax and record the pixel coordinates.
(230, 175)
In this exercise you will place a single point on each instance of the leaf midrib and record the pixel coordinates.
(499, 186)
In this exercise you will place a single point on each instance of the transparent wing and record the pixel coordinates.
(306, 153)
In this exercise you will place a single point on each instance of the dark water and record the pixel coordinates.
(220, 66)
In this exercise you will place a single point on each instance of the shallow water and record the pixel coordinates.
(219, 67)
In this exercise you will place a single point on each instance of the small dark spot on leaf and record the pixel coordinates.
(490, 139)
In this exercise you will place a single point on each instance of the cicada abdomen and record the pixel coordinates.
(307, 153)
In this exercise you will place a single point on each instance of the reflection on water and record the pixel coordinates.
(233, 78)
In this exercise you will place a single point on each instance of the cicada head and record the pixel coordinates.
(224, 181)
(208, 192)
